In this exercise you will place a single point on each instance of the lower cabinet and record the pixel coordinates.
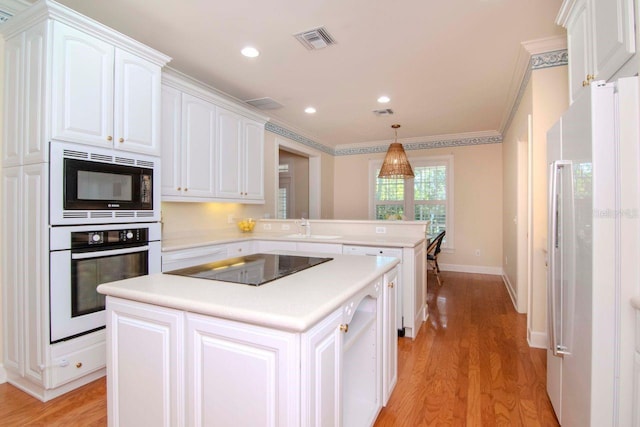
(171, 367)
(390, 335)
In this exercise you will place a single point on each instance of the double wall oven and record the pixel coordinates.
(104, 217)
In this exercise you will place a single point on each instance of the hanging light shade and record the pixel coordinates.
(396, 164)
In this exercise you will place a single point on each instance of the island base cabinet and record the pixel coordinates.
(144, 364)
(240, 375)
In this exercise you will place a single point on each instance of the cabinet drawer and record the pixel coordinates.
(76, 358)
(240, 249)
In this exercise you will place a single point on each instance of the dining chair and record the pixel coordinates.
(432, 255)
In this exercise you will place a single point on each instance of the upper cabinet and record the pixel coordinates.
(103, 95)
(214, 149)
(240, 154)
(600, 40)
(73, 79)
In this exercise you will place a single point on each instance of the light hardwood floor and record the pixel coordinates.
(469, 366)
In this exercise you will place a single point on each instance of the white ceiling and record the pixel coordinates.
(447, 65)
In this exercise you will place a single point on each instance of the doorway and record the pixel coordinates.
(293, 185)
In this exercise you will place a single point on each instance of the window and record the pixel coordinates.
(427, 197)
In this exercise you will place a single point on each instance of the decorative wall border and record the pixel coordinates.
(408, 146)
(539, 61)
(279, 130)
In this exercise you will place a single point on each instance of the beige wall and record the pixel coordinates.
(514, 146)
(477, 201)
(1, 207)
(550, 99)
(545, 99)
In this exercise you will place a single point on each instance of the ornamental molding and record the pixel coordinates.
(549, 59)
(423, 145)
(282, 131)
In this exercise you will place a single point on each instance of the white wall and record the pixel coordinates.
(477, 201)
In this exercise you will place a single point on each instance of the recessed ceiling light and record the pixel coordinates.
(250, 52)
(309, 110)
(384, 99)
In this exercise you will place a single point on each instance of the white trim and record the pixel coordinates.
(3, 374)
(315, 173)
(479, 269)
(537, 339)
(510, 290)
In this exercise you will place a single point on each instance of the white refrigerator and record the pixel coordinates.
(593, 260)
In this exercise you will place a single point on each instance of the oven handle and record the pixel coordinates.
(99, 254)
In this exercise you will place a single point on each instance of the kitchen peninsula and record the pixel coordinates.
(316, 345)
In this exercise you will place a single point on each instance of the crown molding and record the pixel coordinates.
(286, 132)
(533, 55)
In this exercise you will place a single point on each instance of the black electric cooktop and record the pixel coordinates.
(254, 270)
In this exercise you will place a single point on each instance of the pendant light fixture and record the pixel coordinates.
(396, 164)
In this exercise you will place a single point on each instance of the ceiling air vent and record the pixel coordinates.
(383, 112)
(316, 38)
(264, 103)
(4, 16)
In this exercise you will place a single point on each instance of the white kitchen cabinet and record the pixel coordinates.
(322, 384)
(600, 39)
(62, 75)
(25, 82)
(240, 375)
(188, 147)
(147, 342)
(103, 95)
(389, 335)
(240, 154)
(242, 248)
(183, 258)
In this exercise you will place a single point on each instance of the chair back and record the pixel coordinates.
(434, 247)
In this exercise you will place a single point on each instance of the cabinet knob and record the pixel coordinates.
(121, 140)
(589, 79)
(391, 284)
(79, 365)
(109, 138)
(179, 188)
(344, 328)
(186, 189)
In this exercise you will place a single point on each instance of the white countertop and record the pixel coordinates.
(223, 237)
(294, 303)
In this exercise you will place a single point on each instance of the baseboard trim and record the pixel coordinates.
(510, 291)
(479, 269)
(536, 339)
(3, 374)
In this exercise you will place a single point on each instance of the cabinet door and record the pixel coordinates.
(613, 36)
(229, 177)
(35, 148)
(136, 104)
(12, 267)
(198, 147)
(322, 373)
(253, 163)
(389, 335)
(578, 44)
(82, 74)
(240, 375)
(171, 141)
(13, 88)
(145, 341)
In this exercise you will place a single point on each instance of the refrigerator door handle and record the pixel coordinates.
(554, 246)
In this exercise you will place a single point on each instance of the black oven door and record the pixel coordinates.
(104, 186)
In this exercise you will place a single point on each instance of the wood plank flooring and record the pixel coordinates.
(469, 366)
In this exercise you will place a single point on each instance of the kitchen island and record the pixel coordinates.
(315, 347)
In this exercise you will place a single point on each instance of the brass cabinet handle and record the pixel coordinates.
(344, 328)
(121, 140)
(186, 189)
(590, 78)
(391, 284)
(109, 138)
(179, 188)
(79, 365)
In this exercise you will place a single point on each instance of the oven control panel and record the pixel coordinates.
(83, 239)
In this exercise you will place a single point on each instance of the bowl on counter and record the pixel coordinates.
(246, 225)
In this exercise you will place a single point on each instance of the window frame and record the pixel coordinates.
(446, 160)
